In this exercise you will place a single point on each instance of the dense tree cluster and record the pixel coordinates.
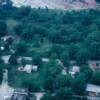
(56, 35)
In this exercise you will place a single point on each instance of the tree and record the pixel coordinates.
(73, 51)
(93, 44)
(13, 59)
(65, 57)
(49, 84)
(18, 29)
(96, 78)
(98, 1)
(3, 28)
(63, 81)
(51, 70)
(1, 70)
(47, 96)
(28, 33)
(9, 41)
(21, 48)
(64, 94)
(37, 60)
(31, 84)
(23, 62)
(22, 12)
(79, 84)
(82, 56)
(87, 71)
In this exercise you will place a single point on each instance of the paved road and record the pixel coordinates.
(5, 90)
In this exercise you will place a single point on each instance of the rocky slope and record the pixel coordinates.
(58, 4)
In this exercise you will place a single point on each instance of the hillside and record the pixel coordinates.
(57, 4)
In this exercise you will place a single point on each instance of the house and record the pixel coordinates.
(94, 64)
(25, 58)
(28, 68)
(64, 72)
(5, 38)
(24, 94)
(6, 58)
(93, 90)
(39, 95)
(20, 94)
(74, 69)
(45, 59)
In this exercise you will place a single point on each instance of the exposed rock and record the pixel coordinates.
(56, 4)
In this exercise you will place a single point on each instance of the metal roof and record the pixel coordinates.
(93, 88)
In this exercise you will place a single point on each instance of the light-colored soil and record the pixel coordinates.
(52, 4)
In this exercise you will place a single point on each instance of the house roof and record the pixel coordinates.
(93, 88)
(6, 58)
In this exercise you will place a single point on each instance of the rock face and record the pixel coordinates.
(55, 4)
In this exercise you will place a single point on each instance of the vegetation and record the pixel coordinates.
(55, 35)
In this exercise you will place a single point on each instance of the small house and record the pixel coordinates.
(28, 68)
(93, 90)
(39, 95)
(94, 64)
(45, 59)
(6, 58)
(74, 69)
(20, 94)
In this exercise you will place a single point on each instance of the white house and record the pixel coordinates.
(45, 59)
(39, 95)
(94, 64)
(74, 70)
(6, 58)
(28, 68)
(25, 58)
(93, 90)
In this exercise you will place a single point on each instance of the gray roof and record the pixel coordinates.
(93, 88)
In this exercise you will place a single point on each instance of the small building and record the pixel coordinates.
(74, 69)
(5, 38)
(28, 68)
(94, 64)
(25, 58)
(20, 94)
(93, 90)
(64, 72)
(39, 95)
(45, 59)
(6, 58)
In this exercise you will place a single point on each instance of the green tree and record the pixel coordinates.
(87, 71)
(47, 96)
(1, 70)
(21, 48)
(63, 81)
(13, 59)
(96, 78)
(98, 1)
(37, 60)
(31, 84)
(82, 56)
(51, 70)
(3, 28)
(18, 29)
(79, 84)
(64, 94)
(93, 44)
(49, 84)
(65, 57)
